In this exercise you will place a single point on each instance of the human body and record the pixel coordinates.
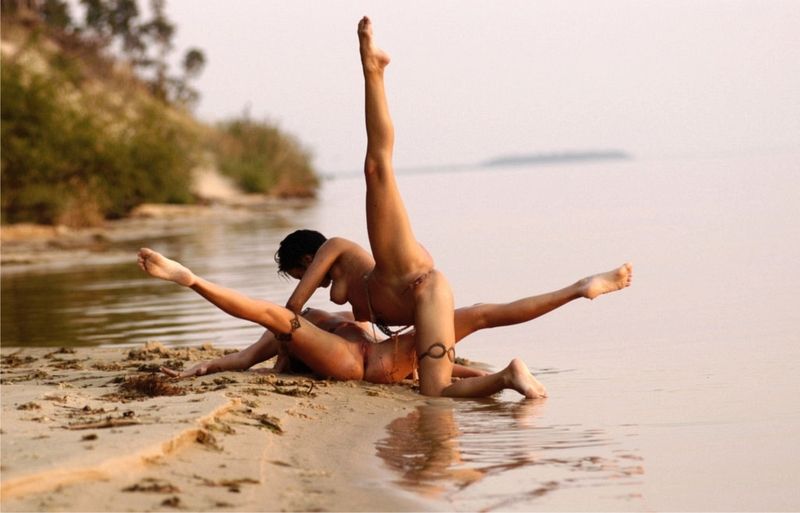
(397, 284)
(334, 345)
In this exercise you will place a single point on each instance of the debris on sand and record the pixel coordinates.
(172, 502)
(271, 423)
(149, 385)
(152, 485)
(206, 439)
(14, 360)
(233, 485)
(126, 419)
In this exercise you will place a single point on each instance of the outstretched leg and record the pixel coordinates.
(473, 318)
(324, 352)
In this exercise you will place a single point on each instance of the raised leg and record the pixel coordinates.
(324, 352)
(399, 258)
(394, 246)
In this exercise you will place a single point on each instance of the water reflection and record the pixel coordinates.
(100, 303)
(488, 455)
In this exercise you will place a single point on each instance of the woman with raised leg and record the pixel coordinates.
(403, 287)
(397, 284)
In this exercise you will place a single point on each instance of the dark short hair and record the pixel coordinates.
(295, 246)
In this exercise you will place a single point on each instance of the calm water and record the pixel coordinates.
(679, 393)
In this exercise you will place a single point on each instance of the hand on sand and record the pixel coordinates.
(157, 265)
(282, 362)
(201, 369)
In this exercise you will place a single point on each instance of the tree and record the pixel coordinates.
(56, 14)
(123, 21)
(159, 31)
(193, 62)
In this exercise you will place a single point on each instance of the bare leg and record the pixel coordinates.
(399, 258)
(324, 352)
(434, 326)
(516, 376)
(394, 247)
(473, 318)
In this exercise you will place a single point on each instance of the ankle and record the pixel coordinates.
(578, 289)
(191, 280)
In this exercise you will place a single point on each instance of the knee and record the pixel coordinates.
(375, 164)
(370, 167)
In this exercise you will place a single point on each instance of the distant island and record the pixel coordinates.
(525, 159)
(549, 158)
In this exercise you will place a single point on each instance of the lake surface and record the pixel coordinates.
(679, 393)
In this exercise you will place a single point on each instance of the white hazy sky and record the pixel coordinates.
(471, 80)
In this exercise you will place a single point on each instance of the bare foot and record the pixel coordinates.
(372, 57)
(157, 265)
(521, 380)
(610, 281)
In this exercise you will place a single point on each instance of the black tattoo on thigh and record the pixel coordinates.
(438, 351)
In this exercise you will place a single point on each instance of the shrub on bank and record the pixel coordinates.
(65, 162)
(263, 159)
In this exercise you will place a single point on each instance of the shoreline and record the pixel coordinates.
(88, 429)
(28, 246)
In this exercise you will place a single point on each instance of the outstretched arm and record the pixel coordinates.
(265, 348)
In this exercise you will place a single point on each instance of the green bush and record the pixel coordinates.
(65, 161)
(263, 159)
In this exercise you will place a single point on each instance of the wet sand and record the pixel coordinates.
(90, 429)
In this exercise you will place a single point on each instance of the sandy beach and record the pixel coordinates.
(87, 429)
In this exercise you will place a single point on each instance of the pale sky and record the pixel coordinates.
(470, 80)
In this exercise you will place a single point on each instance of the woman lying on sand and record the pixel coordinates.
(334, 345)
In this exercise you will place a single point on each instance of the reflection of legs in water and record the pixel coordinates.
(399, 259)
(423, 447)
(324, 352)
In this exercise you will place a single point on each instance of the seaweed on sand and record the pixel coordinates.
(149, 385)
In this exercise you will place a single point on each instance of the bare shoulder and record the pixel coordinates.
(341, 245)
(337, 241)
(335, 248)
